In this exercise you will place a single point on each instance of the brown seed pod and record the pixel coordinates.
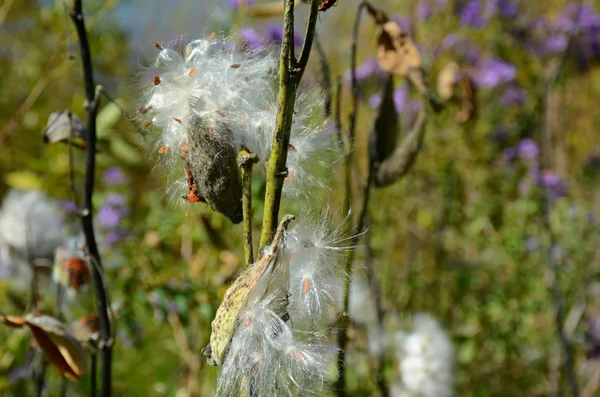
(212, 159)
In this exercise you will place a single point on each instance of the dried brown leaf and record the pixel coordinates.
(58, 345)
(397, 54)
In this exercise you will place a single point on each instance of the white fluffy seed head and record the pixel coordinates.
(214, 80)
(425, 360)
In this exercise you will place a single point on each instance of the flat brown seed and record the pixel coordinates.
(177, 120)
(157, 45)
(235, 66)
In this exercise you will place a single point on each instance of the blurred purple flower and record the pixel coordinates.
(471, 14)
(461, 47)
(114, 176)
(274, 34)
(110, 217)
(492, 71)
(554, 184)
(116, 200)
(531, 244)
(235, 4)
(251, 38)
(576, 16)
(513, 95)
(375, 101)
(508, 155)
(114, 236)
(592, 338)
(528, 149)
(368, 68)
(556, 43)
(403, 21)
(502, 8)
(68, 206)
(19, 373)
(424, 10)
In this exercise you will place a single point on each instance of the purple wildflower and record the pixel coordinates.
(114, 236)
(513, 95)
(375, 101)
(554, 184)
(528, 149)
(274, 34)
(235, 4)
(461, 47)
(68, 206)
(365, 70)
(110, 217)
(492, 71)
(251, 38)
(424, 10)
(116, 200)
(114, 176)
(471, 15)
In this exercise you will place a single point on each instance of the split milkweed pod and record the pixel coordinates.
(248, 289)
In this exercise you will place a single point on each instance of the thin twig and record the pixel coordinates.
(340, 386)
(93, 373)
(553, 249)
(337, 117)
(374, 287)
(246, 162)
(290, 72)
(92, 103)
(325, 76)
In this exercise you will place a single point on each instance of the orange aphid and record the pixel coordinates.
(163, 149)
(192, 72)
(290, 175)
(156, 80)
(184, 150)
(298, 356)
(247, 322)
(76, 271)
(220, 113)
(212, 36)
(148, 124)
(306, 285)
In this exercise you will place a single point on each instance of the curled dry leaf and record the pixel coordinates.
(397, 54)
(454, 83)
(63, 124)
(55, 340)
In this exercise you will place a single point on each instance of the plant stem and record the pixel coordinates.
(340, 386)
(290, 73)
(92, 103)
(246, 161)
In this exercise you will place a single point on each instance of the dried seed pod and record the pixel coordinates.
(212, 159)
(250, 287)
(384, 134)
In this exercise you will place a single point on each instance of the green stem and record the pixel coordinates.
(290, 72)
(246, 161)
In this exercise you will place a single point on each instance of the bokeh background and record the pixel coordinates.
(462, 237)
